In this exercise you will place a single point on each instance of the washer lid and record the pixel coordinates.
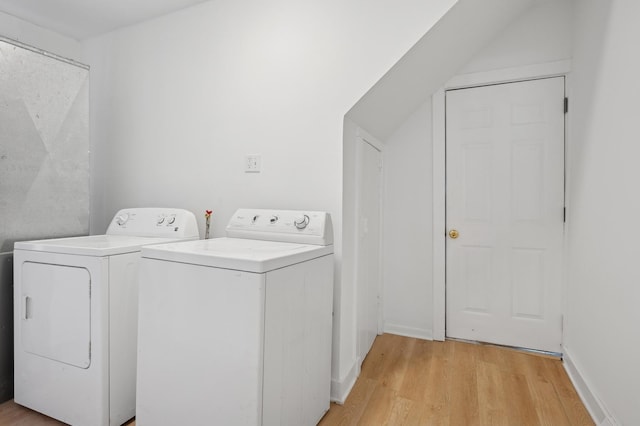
(237, 253)
(93, 245)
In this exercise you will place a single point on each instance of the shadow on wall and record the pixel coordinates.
(6, 326)
(587, 64)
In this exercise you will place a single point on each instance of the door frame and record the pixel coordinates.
(506, 75)
(364, 137)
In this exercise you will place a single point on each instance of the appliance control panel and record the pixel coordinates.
(307, 227)
(154, 222)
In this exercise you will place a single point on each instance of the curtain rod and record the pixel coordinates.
(43, 52)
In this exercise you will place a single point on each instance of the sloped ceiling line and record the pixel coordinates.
(467, 27)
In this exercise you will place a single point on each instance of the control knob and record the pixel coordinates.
(171, 220)
(273, 219)
(122, 219)
(301, 222)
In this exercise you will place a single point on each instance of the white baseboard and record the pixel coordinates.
(400, 330)
(598, 411)
(340, 389)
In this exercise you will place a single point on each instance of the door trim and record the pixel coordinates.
(363, 137)
(506, 75)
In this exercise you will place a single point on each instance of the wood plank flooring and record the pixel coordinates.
(407, 381)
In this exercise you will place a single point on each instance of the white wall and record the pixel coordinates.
(601, 331)
(35, 36)
(178, 101)
(408, 283)
(408, 252)
(543, 34)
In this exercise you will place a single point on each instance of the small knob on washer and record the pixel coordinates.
(301, 222)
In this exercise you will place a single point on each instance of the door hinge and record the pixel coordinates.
(566, 105)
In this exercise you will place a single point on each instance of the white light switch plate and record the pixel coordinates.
(252, 164)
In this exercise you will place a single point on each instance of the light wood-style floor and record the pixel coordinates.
(408, 381)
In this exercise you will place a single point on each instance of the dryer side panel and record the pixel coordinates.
(123, 336)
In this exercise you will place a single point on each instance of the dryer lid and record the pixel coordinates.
(93, 245)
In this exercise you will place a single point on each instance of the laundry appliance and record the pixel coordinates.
(237, 330)
(75, 316)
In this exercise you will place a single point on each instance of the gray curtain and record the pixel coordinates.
(44, 164)
(44, 146)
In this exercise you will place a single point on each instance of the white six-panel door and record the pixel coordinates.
(505, 200)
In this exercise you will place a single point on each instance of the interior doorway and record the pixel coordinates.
(505, 213)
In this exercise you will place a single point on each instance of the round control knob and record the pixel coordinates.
(273, 219)
(171, 220)
(122, 219)
(160, 220)
(301, 222)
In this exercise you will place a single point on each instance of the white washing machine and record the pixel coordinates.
(237, 330)
(75, 317)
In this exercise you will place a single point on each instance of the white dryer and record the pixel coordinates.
(75, 317)
(237, 330)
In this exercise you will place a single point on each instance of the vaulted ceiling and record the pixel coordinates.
(435, 58)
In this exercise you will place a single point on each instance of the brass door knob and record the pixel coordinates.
(453, 234)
